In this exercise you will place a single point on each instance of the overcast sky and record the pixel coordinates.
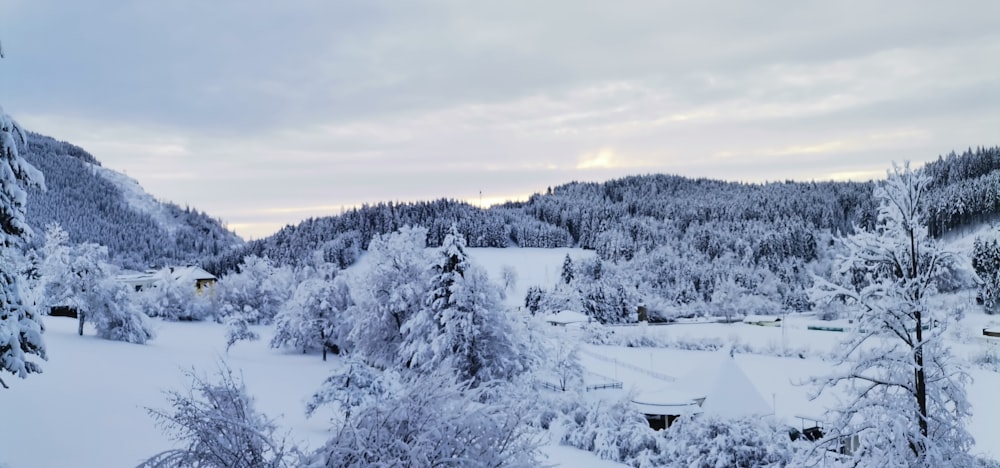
(264, 113)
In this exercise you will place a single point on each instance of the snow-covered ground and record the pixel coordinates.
(88, 408)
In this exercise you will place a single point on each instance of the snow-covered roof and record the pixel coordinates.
(566, 317)
(732, 395)
(666, 402)
(184, 274)
(190, 274)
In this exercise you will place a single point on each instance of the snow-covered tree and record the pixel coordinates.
(315, 317)
(566, 274)
(463, 324)
(986, 261)
(563, 362)
(429, 420)
(258, 290)
(219, 427)
(387, 291)
(20, 327)
(115, 315)
(54, 272)
(509, 277)
(171, 299)
(908, 404)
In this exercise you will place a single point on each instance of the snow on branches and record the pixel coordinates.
(907, 395)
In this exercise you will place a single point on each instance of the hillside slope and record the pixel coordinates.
(96, 204)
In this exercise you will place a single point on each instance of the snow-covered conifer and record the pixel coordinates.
(908, 401)
(566, 274)
(463, 324)
(20, 327)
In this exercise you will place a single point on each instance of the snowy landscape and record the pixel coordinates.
(92, 400)
(499, 234)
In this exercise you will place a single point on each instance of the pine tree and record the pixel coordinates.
(909, 403)
(567, 270)
(463, 324)
(20, 326)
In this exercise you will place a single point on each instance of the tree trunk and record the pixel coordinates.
(80, 318)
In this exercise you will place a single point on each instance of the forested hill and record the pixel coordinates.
(765, 224)
(95, 204)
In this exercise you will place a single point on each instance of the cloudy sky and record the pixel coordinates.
(264, 113)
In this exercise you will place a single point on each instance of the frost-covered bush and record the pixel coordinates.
(116, 316)
(613, 430)
(427, 420)
(219, 427)
(237, 329)
(709, 441)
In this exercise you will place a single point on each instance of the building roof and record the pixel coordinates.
(732, 395)
(566, 317)
(666, 402)
(185, 274)
(190, 274)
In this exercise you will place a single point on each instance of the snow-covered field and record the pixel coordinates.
(88, 408)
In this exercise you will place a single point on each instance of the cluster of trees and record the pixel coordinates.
(79, 277)
(433, 374)
(483, 228)
(986, 262)
(93, 209)
(964, 189)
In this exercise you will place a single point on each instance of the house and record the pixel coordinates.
(566, 317)
(190, 275)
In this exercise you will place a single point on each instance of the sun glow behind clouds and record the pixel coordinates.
(603, 159)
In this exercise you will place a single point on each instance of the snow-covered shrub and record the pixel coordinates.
(115, 314)
(613, 430)
(219, 427)
(710, 441)
(431, 420)
(238, 329)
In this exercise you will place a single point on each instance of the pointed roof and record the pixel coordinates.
(732, 395)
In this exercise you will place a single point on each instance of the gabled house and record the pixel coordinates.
(191, 275)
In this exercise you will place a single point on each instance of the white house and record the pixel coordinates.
(191, 275)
